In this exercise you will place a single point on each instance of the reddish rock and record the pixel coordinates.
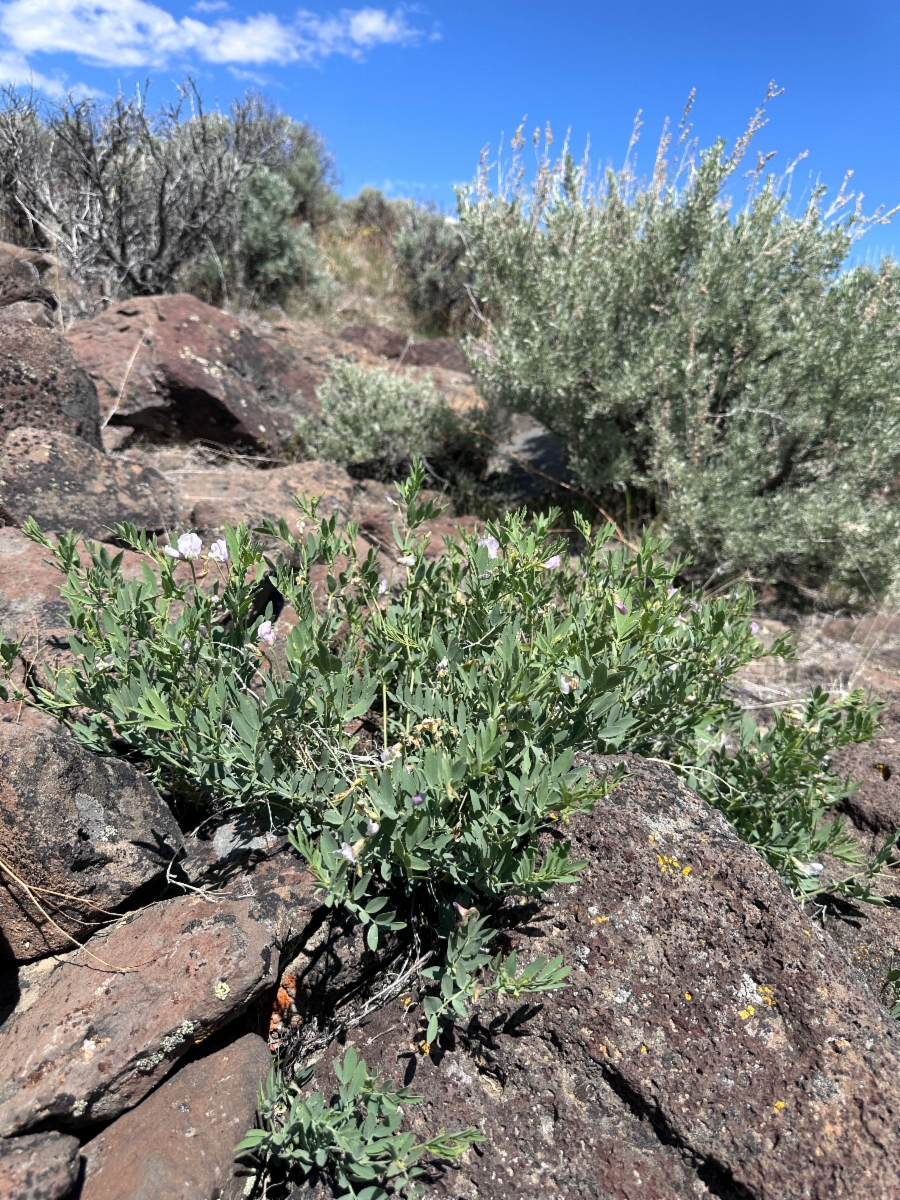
(875, 765)
(443, 352)
(43, 384)
(233, 494)
(377, 339)
(178, 1144)
(176, 369)
(113, 1018)
(65, 484)
(39, 1166)
(712, 1040)
(26, 312)
(39, 259)
(83, 832)
(20, 281)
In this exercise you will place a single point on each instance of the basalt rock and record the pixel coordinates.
(112, 1019)
(43, 384)
(38, 1166)
(175, 369)
(234, 493)
(64, 483)
(178, 1144)
(20, 281)
(712, 1040)
(443, 352)
(79, 836)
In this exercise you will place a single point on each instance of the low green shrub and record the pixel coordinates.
(374, 416)
(354, 1140)
(726, 367)
(279, 256)
(478, 677)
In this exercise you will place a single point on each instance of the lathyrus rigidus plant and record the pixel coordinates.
(477, 677)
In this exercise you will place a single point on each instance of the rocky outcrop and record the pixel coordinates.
(38, 1166)
(113, 1018)
(64, 483)
(712, 1041)
(20, 281)
(443, 352)
(79, 836)
(176, 369)
(43, 384)
(178, 1144)
(208, 499)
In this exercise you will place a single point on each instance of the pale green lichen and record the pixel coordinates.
(166, 1046)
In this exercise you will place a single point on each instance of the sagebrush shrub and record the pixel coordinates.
(278, 255)
(726, 365)
(374, 416)
(430, 256)
(135, 202)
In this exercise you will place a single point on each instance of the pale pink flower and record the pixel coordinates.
(266, 633)
(553, 563)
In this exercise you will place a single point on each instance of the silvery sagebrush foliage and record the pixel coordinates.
(374, 416)
(430, 256)
(727, 365)
(354, 1139)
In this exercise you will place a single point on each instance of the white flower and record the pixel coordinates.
(553, 563)
(266, 633)
(811, 870)
(347, 851)
(372, 828)
(568, 683)
(189, 545)
(408, 560)
(218, 551)
(492, 545)
(382, 586)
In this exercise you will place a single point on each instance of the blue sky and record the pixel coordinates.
(407, 96)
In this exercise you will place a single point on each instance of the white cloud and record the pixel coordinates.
(15, 69)
(208, 6)
(137, 33)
